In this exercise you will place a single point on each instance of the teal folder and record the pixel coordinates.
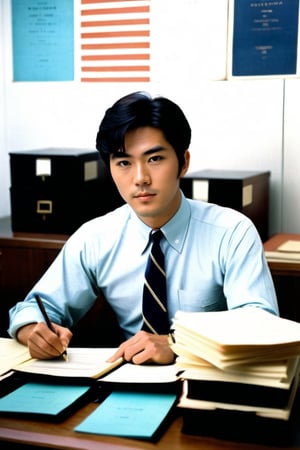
(131, 414)
(44, 401)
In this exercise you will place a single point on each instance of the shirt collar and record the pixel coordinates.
(174, 231)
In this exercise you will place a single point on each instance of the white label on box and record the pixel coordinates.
(200, 190)
(90, 170)
(43, 167)
(247, 195)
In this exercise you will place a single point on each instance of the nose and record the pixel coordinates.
(141, 176)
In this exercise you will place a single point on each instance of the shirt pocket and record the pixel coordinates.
(211, 299)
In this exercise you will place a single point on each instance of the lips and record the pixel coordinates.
(144, 195)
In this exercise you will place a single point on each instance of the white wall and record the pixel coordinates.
(236, 124)
(4, 175)
(291, 158)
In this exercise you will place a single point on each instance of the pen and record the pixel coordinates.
(172, 337)
(47, 320)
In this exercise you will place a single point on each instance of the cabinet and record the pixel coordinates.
(24, 257)
(243, 190)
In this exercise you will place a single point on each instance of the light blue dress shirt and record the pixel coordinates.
(213, 255)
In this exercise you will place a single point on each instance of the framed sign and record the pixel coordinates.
(263, 38)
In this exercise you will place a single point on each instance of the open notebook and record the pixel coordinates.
(82, 362)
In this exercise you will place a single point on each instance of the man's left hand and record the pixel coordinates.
(145, 348)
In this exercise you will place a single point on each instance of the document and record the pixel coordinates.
(235, 337)
(44, 401)
(146, 378)
(282, 256)
(82, 363)
(11, 354)
(264, 37)
(279, 374)
(130, 414)
(289, 251)
(282, 413)
(148, 373)
(43, 40)
(238, 393)
(290, 246)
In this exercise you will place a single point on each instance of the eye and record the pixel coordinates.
(123, 163)
(156, 158)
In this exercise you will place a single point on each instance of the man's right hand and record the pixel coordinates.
(42, 342)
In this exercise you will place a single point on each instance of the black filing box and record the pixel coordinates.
(245, 191)
(55, 190)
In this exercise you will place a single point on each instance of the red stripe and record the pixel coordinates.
(106, 23)
(115, 45)
(117, 79)
(106, 34)
(116, 69)
(115, 57)
(125, 10)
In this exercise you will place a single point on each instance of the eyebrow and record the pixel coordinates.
(152, 150)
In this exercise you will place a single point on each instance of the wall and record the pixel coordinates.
(237, 124)
(291, 158)
(4, 177)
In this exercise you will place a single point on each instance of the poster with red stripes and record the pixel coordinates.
(115, 40)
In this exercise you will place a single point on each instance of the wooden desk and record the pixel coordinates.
(18, 433)
(285, 268)
(61, 436)
(286, 277)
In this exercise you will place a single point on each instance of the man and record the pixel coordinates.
(214, 258)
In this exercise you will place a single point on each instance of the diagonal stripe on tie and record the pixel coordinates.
(154, 295)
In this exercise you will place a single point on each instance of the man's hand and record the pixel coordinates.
(42, 342)
(145, 348)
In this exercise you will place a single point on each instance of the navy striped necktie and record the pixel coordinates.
(155, 313)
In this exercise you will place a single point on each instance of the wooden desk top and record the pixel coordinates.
(17, 239)
(286, 268)
(61, 436)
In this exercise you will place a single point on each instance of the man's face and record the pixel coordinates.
(146, 175)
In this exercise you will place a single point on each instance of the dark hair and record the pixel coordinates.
(139, 110)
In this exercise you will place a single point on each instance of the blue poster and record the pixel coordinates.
(43, 40)
(265, 35)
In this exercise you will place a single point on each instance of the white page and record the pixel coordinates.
(148, 373)
(11, 353)
(290, 246)
(247, 326)
(82, 362)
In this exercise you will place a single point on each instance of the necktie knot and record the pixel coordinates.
(156, 236)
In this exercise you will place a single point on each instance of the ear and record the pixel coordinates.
(187, 157)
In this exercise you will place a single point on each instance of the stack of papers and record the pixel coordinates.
(235, 337)
(12, 353)
(143, 378)
(245, 359)
(289, 251)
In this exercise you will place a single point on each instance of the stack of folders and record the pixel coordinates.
(289, 251)
(238, 367)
